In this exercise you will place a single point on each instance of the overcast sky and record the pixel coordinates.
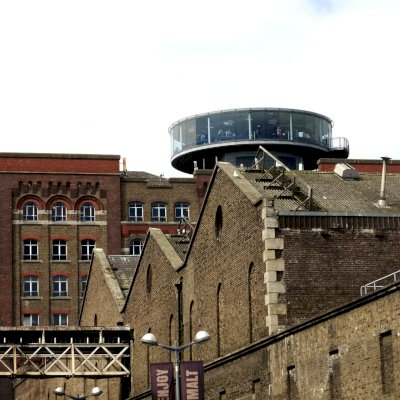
(110, 77)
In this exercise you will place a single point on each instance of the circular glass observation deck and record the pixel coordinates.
(296, 137)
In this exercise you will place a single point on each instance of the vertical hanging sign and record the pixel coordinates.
(162, 382)
(192, 380)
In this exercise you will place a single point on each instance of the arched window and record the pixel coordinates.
(218, 223)
(30, 211)
(135, 211)
(30, 250)
(149, 279)
(87, 247)
(219, 304)
(181, 211)
(250, 285)
(158, 212)
(60, 286)
(136, 247)
(59, 249)
(31, 286)
(87, 212)
(58, 212)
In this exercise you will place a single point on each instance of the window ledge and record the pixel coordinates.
(60, 298)
(31, 298)
(32, 261)
(60, 261)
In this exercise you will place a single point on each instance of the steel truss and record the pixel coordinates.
(71, 352)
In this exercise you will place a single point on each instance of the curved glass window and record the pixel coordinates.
(252, 125)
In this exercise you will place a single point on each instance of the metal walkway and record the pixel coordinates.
(64, 352)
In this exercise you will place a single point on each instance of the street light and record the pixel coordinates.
(96, 391)
(150, 340)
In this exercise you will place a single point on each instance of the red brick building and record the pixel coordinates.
(56, 208)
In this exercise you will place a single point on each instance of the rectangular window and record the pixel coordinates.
(181, 211)
(87, 247)
(158, 212)
(31, 286)
(30, 250)
(59, 250)
(292, 382)
(334, 375)
(387, 373)
(84, 279)
(60, 319)
(136, 212)
(30, 320)
(60, 286)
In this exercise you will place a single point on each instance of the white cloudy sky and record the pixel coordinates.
(109, 77)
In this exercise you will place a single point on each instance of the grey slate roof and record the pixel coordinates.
(124, 268)
(180, 244)
(331, 193)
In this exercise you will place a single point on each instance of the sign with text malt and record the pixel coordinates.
(162, 381)
(192, 380)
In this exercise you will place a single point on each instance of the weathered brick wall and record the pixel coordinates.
(226, 255)
(103, 299)
(353, 353)
(152, 306)
(325, 271)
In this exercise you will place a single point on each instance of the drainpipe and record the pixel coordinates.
(382, 197)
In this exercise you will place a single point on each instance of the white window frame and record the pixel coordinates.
(30, 250)
(87, 247)
(157, 209)
(136, 247)
(181, 211)
(88, 212)
(59, 250)
(30, 211)
(59, 286)
(30, 286)
(84, 280)
(58, 212)
(30, 320)
(59, 319)
(135, 211)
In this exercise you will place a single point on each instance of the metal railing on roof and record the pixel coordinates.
(279, 175)
(380, 283)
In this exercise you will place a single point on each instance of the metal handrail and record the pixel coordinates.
(377, 284)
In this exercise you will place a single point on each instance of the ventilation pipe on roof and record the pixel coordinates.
(382, 197)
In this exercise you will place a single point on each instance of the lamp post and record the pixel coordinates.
(96, 391)
(150, 340)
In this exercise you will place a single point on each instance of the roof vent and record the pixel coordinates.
(346, 171)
